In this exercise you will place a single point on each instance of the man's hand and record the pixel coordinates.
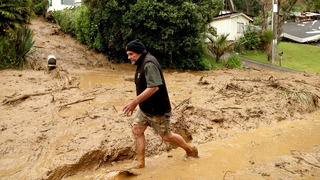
(129, 108)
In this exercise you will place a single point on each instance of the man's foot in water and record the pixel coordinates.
(192, 152)
(140, 165)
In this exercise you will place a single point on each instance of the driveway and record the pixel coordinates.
(258, 65)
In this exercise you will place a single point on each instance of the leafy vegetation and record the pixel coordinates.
(219, 45)
(251, 38)
(248, 6)
(233, 61)
(267, 36)
(16, 38)
(171, 30)
(15, 47)
(13, 14)
(66, 20)
(208, 63)
(40, 7)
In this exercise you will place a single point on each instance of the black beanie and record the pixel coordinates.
(135, 46)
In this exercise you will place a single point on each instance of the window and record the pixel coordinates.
(240, 27)
(50, 3)
(67, 2)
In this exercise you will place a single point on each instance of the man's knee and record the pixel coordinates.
(138, 130)
(167, 137)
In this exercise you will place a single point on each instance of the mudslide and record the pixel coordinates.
(67, 123)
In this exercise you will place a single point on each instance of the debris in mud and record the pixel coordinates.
(18, 99)
(75, 102)
(203, 83)
(56, 31)
(302, 101)
(129, 78)
(238, 87)
(70, 81)
(186, 101)
(117, 175)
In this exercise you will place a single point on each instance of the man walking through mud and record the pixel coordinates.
(153, 100)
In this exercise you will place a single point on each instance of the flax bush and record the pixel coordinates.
(14, 48)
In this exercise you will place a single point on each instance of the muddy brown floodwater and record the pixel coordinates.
(276, 152)
(68, 124)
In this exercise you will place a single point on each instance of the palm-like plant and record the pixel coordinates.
(23, 43)
(15, 47)
(219, 43)
(14, 13)
(16, 39)
(267, 36)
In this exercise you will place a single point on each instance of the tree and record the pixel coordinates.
(316, 4)
(309, 5)
(285, 7)
(265, 7)
(251, 7)
(267, 37)
(13, 14)
(172, 30)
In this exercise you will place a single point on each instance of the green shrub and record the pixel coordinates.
(251, 38)
(82, 25)
(66, 21)
(99, 42)
(14, 48)
(171, 30)
(77, 23)
(38, 9)
(239, 45)
(7, 54)
(57, 16)
(209, 62)
(233, 61)
(13, 14)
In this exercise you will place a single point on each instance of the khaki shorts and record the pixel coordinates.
(160, 124)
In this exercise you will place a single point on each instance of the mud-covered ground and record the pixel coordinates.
(56, 125)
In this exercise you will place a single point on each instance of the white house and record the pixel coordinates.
(231, 23)
(55, 5)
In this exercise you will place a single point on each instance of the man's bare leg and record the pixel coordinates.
(138, 133)
(179, 141)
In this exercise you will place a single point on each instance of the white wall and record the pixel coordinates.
(56, 4)
(229, 26)
(223, 26)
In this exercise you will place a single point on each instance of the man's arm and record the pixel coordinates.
(128, 109)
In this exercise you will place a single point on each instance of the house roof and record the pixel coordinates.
(232, 15)
(302, 32)
(306, 14)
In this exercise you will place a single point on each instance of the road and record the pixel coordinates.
(257, 64)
